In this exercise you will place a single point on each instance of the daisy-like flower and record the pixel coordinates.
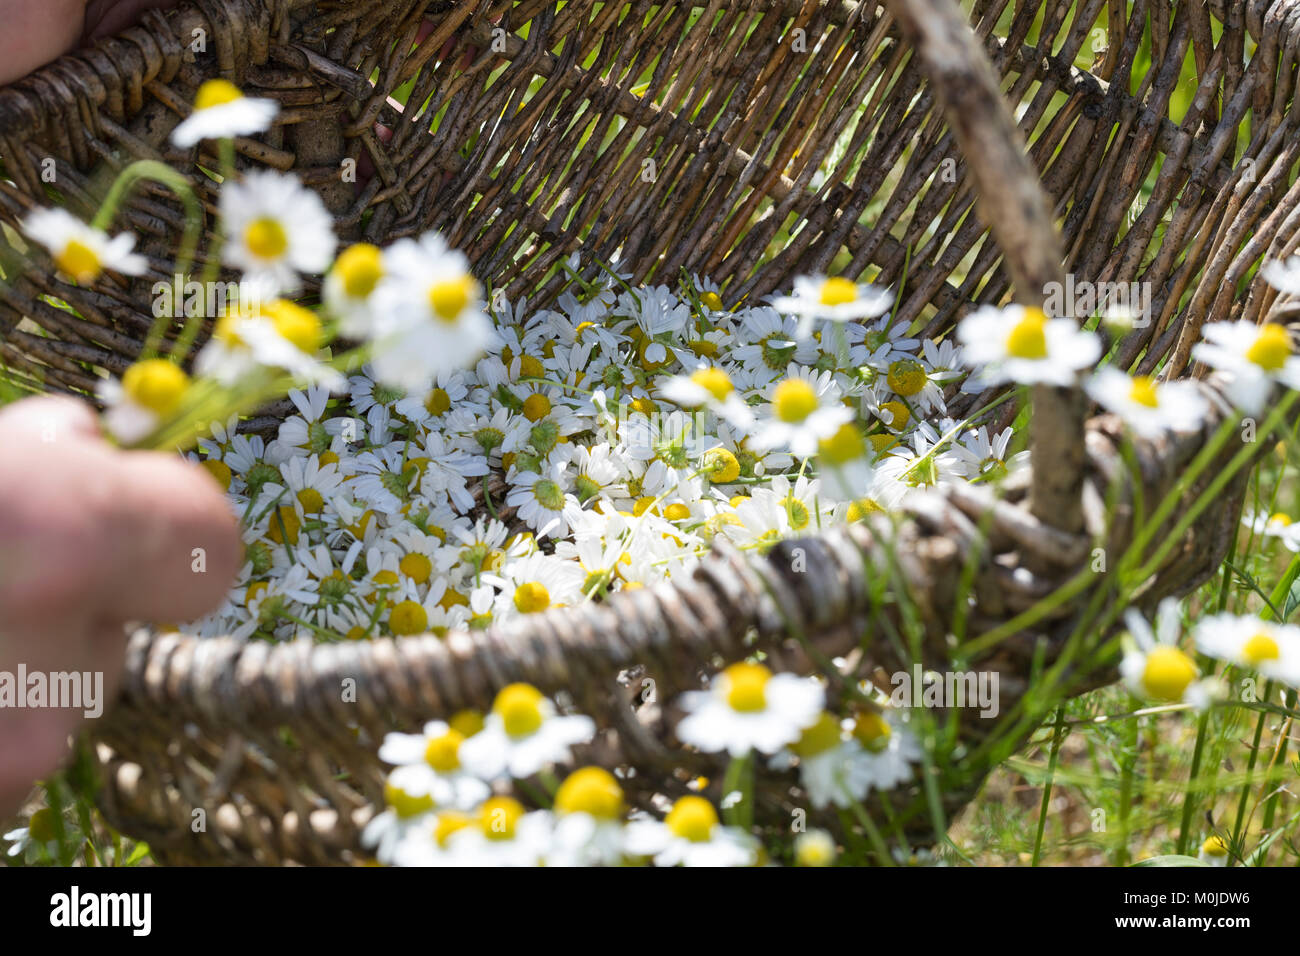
(835, 298)
(708, 386)
(1254, 356)
(221, 111)
(747, 707)
(82, 252)
(803, 411)
(845, 464)
(502, 833)
(1277, 525)
(430, 314)
(588, 820)
(1148, 407)
(1271, 649)
(1021, 344)
(408, 803)
(281, 335)
(275, 229)
(825, 751)
(1154, 666)
(434, 756)
(348, 288)
(1214, 851)
(543, 503)
(816, 847)
(536, 583)
(887, 750)
(148, 395)
(1283, 275)
(523, 734)
(691, 835)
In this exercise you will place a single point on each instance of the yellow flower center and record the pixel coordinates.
(899, 413)
(1280, 518)
(861, 508)
(359, 267)
(536, 407)
(1143, 391)
(677, 512)
(1271, 350)
(450, 298)
(79, 261)
(1168, 673)
(416, 566)
(266, 238)
(872, 730)
(692, 818)
(645, 406)
(747, 687)
(530, 366)
(882, 442)
(818, 738)
(296, 325)
(844, 446)
(531, 597)
(590, 790)
(437, 401)
(1215, 846)
(443, 753)
(216, 93)
(218, 470)
(520, 708)
(721, 465)
(408, 617)
(329, 458)
(906, 376)
(255, 591)
(449, 822)
(794, 400)
(838, 291)
(711, 300)
(312, 501)
(158, 385)
(499, 816)
(714, 381)
(1260, 648)
(404, 804)
(284, 526)
(1028, 339)
(466, 722)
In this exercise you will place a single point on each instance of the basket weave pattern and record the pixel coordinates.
(525, 154)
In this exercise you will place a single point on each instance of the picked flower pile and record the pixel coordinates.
(467, 465)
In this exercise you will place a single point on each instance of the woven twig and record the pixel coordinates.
(539, 152)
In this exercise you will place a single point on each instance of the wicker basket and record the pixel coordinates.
(540, 150)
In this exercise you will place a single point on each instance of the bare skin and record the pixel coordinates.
(38, 31)
(92, 538)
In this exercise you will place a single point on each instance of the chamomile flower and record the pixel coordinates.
(148, 395)
(1214, 851)
(1283, 275)
(815, 847)
(82, 252)
(886, 752)
(281, 335)
(1271, 649)
(588, 827)
(408, 803)
(691, 835)
(1254, 356)
(1155, 667)
(434, 758)
(824, 752)
(803, 410)
(523, 734)
(350, 285)
(835, 298)
(502, 833)
(1021, 344)
(1146, 406)
(430, 313)
(275, 229)
(747, 707)
(1277, 525)
(221, 111)
(542, 500)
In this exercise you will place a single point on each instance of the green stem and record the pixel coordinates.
(1058, 737)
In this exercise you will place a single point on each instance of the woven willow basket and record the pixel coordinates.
(531, 145)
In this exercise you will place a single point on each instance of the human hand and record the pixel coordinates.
(38, 31)
(91, 537)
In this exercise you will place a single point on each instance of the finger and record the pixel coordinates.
(49, 419)
(179, 542)
(106, 18)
